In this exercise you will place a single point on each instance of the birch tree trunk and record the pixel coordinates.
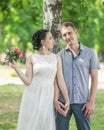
(52, 19)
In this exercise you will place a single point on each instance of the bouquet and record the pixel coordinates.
(13, 53)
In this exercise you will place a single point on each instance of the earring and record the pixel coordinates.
(43, 47)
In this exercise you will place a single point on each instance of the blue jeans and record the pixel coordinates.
(82, 122)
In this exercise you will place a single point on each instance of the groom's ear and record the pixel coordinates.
(76, 31)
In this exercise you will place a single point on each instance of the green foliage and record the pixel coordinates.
(13, 74)
(88, 17)
(19, 20)
(76, 11)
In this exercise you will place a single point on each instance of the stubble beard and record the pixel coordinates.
(70, 43)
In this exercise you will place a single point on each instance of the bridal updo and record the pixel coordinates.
(37, 37)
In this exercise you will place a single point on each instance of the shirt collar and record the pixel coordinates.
(81, 47)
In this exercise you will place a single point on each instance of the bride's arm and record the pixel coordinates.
(60, 107)
(27, 76)
(61, 81)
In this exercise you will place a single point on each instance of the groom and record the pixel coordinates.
(79, 62)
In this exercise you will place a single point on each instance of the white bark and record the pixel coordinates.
(52, 19)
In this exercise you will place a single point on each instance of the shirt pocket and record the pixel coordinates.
(83, 62)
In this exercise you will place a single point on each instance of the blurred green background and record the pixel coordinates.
(20, 19)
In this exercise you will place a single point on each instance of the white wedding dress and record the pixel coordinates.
(37, 108)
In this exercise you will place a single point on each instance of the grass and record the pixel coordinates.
(97, 119)
(10, 97)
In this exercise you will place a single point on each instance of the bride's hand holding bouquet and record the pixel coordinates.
(12, 55)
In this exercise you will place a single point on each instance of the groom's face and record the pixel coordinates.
(69, 35)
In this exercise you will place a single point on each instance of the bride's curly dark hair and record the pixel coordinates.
(37, 37)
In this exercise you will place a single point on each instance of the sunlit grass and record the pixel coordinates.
(10, 98)
(97, 119)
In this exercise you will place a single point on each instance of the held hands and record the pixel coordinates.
(62, 108)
